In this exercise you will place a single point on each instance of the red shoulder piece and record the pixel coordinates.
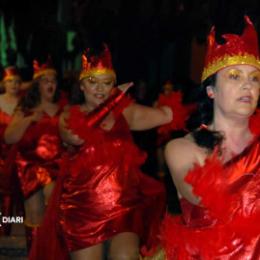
(207, 182)
(124, 103)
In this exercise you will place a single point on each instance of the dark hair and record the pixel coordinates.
(77, 95)
(204, 116)
(32, 98)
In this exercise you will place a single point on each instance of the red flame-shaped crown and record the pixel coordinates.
(41, 69)
(97, 64)
(236, 50)
(10, 73)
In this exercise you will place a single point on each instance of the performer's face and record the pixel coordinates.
(236, 91)
(12, 85)
(97, 88)
(48, 85)
(167, 88)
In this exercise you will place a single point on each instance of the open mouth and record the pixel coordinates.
(99, 96)
(245, 99)
(50, 89)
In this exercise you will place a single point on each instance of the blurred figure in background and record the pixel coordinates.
(34, 132)
(11, 84)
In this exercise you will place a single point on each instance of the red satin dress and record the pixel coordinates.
(38, 154)
(104, 192)
(226, 224)
(9, 190)
(4, 149)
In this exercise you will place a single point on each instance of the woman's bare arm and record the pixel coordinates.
(18, 126)
(141, 117)
(181, 155)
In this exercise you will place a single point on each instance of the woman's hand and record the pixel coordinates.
(75, 139)
(36, 116)
(124, 87)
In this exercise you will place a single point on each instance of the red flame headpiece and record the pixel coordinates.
(236, 50)
(96, 65)
(10, 73)
(41, 69)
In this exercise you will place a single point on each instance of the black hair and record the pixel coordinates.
(77, 95)
(32, 98)
(204, 116)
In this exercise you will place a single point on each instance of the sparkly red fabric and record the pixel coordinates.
(246, 44)
(4, 155)
(105, 193)
(180, 112)
(38, 154)
(9, 189)
(226, 224)
(100, 193)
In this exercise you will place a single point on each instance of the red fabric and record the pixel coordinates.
(103, 193)
(38, 154)
(83, 125)
(254, 122)
(180, 112)
(104, 179)
(49, 242)
(4, 153)
(226, 224)
(9, 189)
(245, 45)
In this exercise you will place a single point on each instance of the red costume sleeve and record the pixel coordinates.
(83, 125)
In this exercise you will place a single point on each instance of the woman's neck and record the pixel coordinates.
(88, 107)
(236, 133)
(46, 103)
(9, 97)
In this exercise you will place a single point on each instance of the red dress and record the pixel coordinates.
(9, 189)
(5, 119)
(105, 193)
(226, 224)
(38, 154)
(100, 193)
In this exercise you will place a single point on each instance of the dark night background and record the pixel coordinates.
(151, 40)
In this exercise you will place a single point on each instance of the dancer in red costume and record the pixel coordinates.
(216, 168)
(105, 198)
(8, 101)
(34, 131)
(173, 99)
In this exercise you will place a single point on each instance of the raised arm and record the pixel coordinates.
(76, 127)
(181, 155)
(19, 124)
(141, 117)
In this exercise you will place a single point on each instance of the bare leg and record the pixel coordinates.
(124, 246)
(34, 208)
(47, 191)
(91, 253)
(34, 212)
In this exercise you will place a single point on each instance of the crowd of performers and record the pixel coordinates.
(75, 168)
